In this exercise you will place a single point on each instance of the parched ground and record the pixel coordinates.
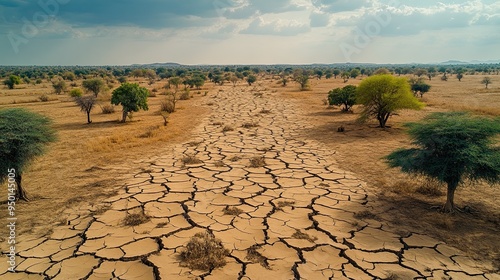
(302, 216)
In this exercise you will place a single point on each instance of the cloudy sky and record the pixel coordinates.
(122, 32)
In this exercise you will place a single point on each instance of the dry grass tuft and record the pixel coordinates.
(250, 125)
(300, 235)
(204, 252)
(232, 211)
(219, 163)
(257, 162)
(285, 203)
(135, 219)
(265, 111)
(190, 159)
(227, 128)
(365, 215)
(255, 257)
(235, 159)
(107, 109)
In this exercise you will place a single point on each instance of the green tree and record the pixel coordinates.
(385, 71)
(132, 97)
(452, 147)
(336, 72)
(345, 76)
(94, 86)
(251, 79)
(486, 81)
(354, 73)
(76, 92)
(383, 95)
(343, 96)
(59, 86)
(12, 81)
(86, 104)
(419, 87)
(23, 138)
(460, 76)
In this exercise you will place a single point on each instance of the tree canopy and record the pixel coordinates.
(24, 136)
(94, 86)
(383, 95)
(451, 147)
(343, 96)
(132, 97)
(12, 81)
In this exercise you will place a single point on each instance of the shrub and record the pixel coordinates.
(76, 93)
(43, 98)
(185, 95)
(256, 162)
(204, 252)
(167, 106)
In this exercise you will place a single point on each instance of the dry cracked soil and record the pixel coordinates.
(296, 213)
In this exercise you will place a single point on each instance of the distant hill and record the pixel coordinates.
(458, 62)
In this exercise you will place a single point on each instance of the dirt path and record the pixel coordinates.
(302, 216)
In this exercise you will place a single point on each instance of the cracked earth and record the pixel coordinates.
(299, 213)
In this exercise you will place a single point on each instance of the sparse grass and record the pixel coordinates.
(257, 162)
(430, 187)
(255, 257)
(190, 160)
(107, 109)
(102, 209)
(232, 211)
(227, 128)
(204, 252)
(250, 125)
(135, 219)
(365, 215)
(150, 132)
(300, 235)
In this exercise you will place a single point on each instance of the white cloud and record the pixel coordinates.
(277, 27)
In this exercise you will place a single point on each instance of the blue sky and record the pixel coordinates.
(121, 32)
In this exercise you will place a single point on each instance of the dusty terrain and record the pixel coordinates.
(320, 204)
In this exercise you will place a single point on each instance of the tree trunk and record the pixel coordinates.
(20, 193)
(449, 206)
(88, 117)
(124, 116)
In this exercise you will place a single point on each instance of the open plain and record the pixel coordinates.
(263, 169)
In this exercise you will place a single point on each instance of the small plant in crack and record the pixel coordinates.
(324, 185)
(218, 123)
(365, 215)
(161, 225)
(190, 159)
(219, 163)
(392, 276)
(285, 203)
(227, 128)
(301, 235)
(255, 257)
(135, 219)
(257, 162)
(250, 125)
(232, 211)
(204, 252)
(194, 143)
(265, 111)
(101, 209)
(235, 159)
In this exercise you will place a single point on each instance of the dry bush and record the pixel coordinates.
(219, 163)
(285, 203)
(150, 132)
(190, 159)
(257, 162)
(108, 109)
(232, 211)
(185, 95)
(167, 106)
(43, 98)
(227, 128)
(204, 252)
(153, 93)
(365, 215)
(300, 235)
(135, 219)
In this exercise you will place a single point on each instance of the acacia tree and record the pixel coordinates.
(251, 79)
(12, 81)
(94, 86)
(132, 97)
(343, 96)
(24, 137)
(59, 87)
(451, 147)
(86, 104)
(486, 81)
(383, 95)
(345, 76)
(418, 86)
